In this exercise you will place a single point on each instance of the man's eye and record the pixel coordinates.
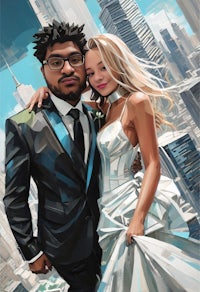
(75, 60)
(55, 62)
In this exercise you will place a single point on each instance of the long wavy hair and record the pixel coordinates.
(133, 71)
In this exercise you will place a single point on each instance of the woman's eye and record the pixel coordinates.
(89, 74)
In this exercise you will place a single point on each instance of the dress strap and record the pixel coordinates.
(123, 109)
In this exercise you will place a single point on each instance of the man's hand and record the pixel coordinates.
(41, 265)
(137, 165)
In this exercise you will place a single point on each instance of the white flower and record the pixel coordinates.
(98, 115)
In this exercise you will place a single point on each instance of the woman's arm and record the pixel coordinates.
(139, 106)
(43, 92)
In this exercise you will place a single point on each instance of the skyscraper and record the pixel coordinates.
(181, 160)
(177, 56)
(18, 23)
(23, 92)
(75, 11)
(124, 18)
(191, 11)
(183, 38)
(191, 97)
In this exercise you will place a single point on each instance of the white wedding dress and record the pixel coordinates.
(161, 260)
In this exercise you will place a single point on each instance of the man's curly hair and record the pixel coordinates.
(58, 32)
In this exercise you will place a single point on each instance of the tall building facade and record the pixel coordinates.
(184, 42)
(18, 23)
(191, 97)
(181, 161)
(180, 116)
(183, 38)
(47, 10)
(75, 11)
(124, 18)
(178, 57)
(191, 11)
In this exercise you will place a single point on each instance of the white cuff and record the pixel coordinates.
(35, 258)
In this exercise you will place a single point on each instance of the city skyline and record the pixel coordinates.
(27, 72)
(34, 77)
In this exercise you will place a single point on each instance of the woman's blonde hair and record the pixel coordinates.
(133, 71)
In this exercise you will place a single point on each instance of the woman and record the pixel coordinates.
(115, 73)
(134, 206)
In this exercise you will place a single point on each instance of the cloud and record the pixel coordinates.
(16, 109)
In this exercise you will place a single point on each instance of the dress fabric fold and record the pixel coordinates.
(165, 259)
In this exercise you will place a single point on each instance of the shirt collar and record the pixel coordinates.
(64, 107)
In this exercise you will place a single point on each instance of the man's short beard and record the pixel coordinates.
(72, 96)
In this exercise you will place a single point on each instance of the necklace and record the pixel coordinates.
(116, 95)
(113, 97)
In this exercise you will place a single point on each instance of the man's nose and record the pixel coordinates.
(67, 67)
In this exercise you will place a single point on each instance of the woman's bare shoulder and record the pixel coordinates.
(140, 103)
(137, 98)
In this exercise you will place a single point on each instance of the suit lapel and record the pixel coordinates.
(54, 119)
(60, 130)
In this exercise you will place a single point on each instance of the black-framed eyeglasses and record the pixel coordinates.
(57, 63)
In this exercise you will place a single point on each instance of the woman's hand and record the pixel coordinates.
(136, 228)
(38, 96)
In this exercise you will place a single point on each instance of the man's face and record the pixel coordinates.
(68, 82)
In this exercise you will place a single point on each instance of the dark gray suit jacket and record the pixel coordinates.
(39, 145)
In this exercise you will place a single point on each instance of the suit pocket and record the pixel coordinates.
(54, 212)
(64, 213)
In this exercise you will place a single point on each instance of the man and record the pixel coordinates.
(42, 144)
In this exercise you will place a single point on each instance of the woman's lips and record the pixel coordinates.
(101, 86)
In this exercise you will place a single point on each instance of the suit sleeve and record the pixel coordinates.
(17, 184)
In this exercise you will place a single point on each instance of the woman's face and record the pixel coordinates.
(97, 74)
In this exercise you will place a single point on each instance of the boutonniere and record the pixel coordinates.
(99, 118)
(98, 115)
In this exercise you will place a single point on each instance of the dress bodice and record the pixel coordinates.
(117, 156)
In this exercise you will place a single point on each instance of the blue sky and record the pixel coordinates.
(170, 6)
(147, 6)
(27, 71)
(94, 9)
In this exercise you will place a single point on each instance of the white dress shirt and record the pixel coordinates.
(64, 107)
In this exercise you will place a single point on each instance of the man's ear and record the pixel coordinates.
(42, 70)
